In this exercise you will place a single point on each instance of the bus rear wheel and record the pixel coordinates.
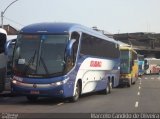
(108, 88)
(32, 98)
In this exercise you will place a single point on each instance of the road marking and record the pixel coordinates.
(136, 104)
(60, 103)
(138, 93)
(139, 87)
(145, 78)
(152, 78)
(140, 83)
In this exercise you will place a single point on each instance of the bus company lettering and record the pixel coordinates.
(95, 64)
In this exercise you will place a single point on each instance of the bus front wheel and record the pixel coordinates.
(129, 83)
(77, 93)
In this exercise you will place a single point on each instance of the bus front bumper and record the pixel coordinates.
(124, 81)
(41, 90)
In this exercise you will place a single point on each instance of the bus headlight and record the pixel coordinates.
(60, 82)
(18, 78)
(14, 81)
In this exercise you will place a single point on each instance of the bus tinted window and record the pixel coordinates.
(91, 45)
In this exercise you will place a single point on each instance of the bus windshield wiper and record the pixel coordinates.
(31, 60)
(44, 65)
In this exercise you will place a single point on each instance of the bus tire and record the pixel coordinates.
(108, 88)
(134, 82)
(129, 83)
(32, 98)
(111, 84)
(77, 93)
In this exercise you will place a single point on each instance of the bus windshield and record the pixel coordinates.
(125, 62)
(39, 55)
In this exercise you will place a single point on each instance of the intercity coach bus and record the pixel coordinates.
(63, 60)
(140, 65)
(3, 58)
(152, 66)
(129, 66)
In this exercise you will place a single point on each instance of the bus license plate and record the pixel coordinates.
(34, 92)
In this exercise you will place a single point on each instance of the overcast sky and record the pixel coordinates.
(114, 16)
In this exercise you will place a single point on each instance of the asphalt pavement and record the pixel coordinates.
(143, 97)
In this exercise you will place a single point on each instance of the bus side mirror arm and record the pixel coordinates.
(70, 47)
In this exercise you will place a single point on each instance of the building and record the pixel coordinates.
(147, 44)
(10, 30)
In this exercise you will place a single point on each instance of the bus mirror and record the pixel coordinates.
(70, 47)
(9, 47)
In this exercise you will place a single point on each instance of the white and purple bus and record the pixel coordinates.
(3, 58)
(63, 60)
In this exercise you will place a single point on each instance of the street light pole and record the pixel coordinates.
(2, 19)
(2, 13)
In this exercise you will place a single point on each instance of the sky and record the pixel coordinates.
(113, 16)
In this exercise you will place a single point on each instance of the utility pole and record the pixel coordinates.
(2, 12)
(2, 19)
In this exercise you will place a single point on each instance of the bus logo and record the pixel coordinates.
(95, 64)
(34, 86)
